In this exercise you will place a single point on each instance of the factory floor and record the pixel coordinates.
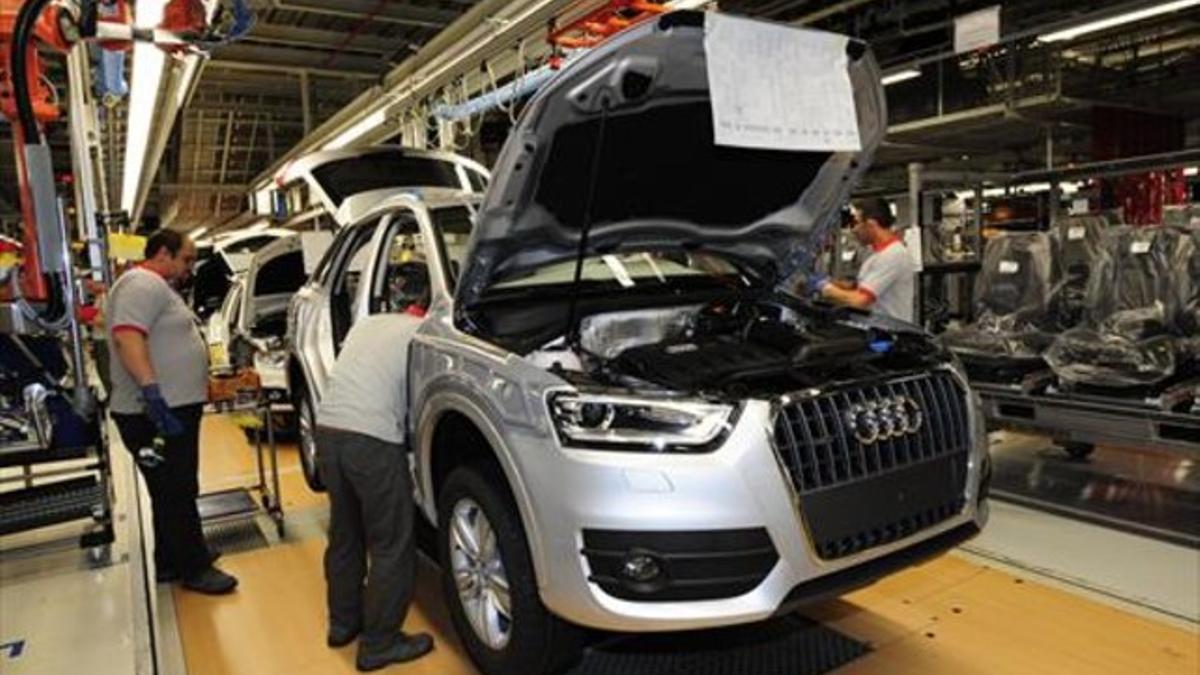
(1036, 593)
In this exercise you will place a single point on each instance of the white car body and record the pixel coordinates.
(372, 174)
(248, 329)
(223, 258)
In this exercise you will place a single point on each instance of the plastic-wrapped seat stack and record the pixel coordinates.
(1077, 249)
(1013, 324)
(1133, 333)
(1189, 290)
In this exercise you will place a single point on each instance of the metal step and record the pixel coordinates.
(50, 504)
(31, 455)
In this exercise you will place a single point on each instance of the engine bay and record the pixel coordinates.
(732, 349)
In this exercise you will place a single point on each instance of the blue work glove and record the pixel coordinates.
(817, 283)
(159, 412)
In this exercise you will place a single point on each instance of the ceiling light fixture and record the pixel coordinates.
(148, 64)
(1117, 20)
(360, 129)
(902, 75)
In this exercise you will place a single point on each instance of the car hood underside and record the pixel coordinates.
(621, 146)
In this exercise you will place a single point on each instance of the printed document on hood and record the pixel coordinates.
(779, 87)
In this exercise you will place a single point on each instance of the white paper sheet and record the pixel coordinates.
(977, 30)
(778, 87)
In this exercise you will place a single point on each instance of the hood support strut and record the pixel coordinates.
(573, 320)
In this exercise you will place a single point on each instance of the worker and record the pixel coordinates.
(887, 277)
(159, 387)
(363, 459)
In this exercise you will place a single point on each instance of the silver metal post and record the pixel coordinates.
(84, 141)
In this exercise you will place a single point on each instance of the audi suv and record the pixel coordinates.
(617, 419)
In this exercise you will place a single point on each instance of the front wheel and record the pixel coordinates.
(306, 418)
(489, 584)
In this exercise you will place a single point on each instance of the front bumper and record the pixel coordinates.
(735, 491)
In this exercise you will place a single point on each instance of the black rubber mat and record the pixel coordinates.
(234, 536)
(225, 504)
(791, 645)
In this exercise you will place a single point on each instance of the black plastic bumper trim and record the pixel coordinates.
(852, 578)
(696, 565)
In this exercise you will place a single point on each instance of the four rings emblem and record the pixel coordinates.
(883, 419)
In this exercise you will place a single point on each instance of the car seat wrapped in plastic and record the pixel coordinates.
(1188, 285)
(1077, 242)
(1010, 295)
(1131, 331)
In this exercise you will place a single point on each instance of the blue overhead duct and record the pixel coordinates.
(502, 96)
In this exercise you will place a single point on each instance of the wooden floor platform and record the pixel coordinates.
(948, 616)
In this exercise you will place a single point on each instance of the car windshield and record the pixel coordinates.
(636, 270)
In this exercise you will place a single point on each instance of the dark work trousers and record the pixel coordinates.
(370, 516)
(173, 485)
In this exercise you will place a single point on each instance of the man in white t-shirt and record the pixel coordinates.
(887, 278)
(363, 456)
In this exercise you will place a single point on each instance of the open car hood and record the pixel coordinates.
(662, 183)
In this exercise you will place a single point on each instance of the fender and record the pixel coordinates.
(458, 397)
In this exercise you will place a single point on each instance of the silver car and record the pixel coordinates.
(616, 419)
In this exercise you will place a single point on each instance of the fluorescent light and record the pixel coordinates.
(360, 129)
(1191, 171)
(148, 64)
(906, 74)
(198, 232)
(1117, 20)
(1064, 188)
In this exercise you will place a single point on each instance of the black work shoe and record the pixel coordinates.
(167, 575)
(211, 581)
(340, 637)
(405, 648)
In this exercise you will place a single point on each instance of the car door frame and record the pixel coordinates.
(382, 245)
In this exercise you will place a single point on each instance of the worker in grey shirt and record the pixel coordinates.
(159, 367)
(887, 278)
(363, 460)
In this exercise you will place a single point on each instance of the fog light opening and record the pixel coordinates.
(641, 568)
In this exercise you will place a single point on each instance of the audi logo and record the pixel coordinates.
(884, 419)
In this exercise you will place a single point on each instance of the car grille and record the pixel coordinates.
(860, 482)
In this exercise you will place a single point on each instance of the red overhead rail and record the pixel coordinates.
(602, 23)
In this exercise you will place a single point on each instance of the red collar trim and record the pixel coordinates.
(878, 248)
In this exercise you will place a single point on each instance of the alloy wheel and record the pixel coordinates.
(479, 574)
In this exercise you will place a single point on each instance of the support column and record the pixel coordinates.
(306, 102)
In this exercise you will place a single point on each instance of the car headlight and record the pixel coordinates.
(622, 423)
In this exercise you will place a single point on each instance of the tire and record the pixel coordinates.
(1077, 451)
(537, 641)
(306, 440)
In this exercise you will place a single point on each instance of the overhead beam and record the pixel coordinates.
(297, 58)
(298, 36)
(384, 12)
(210, 188)
(227, 62)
